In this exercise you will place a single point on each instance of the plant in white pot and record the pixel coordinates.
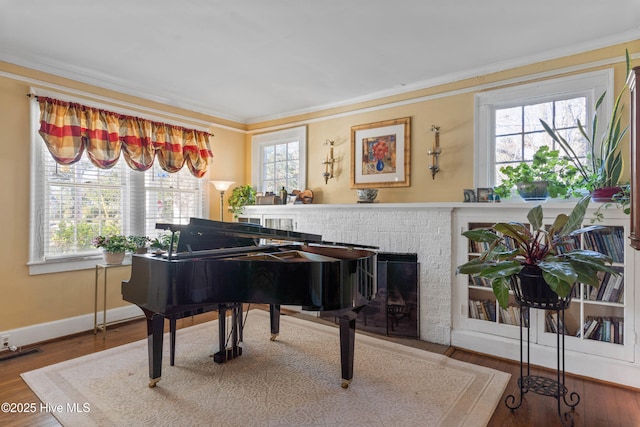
(546, 258)
(113, 247)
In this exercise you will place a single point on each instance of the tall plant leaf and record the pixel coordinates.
(576, 216)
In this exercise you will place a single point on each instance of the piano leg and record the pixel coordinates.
(274, 317)
(227, 353)
(347, 322)
(172, 332)
(155, 330)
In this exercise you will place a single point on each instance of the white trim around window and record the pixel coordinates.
(258, 142)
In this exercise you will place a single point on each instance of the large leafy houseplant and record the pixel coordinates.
(513, 246)
(547, 166)
(240, 197)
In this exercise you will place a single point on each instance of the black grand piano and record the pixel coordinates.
(219, 266)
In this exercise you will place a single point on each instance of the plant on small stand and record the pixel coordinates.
(541, 266)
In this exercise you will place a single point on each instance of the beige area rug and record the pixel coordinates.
(293, 381)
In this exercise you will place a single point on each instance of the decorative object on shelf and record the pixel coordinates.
(240, 197)
(469, 195)
(602, 167)
(222, 186)
(435, 152)
(113, 247)
(381, 154)
(367, 195)
(139, 243)
(303, 197)
(268, 199)
(328, 164)
(283, 196)
(548, 174)
(485, 195)
(512, 246)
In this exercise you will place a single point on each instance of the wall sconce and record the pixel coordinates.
(328, 164)
(222, 186)
(435, 152)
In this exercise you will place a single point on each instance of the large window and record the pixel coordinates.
(508, 128)
(278, 160)
(73, 204)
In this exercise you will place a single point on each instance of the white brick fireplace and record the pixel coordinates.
(422, 228)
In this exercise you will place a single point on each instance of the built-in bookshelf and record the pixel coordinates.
(597, 318)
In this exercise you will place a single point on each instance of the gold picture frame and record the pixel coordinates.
(380, 154)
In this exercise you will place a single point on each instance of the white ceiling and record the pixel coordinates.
(253, 60)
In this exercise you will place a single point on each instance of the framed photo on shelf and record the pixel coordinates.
(485, 195)
(469, 195)
(380, 153)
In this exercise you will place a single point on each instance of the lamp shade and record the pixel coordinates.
(222, 185)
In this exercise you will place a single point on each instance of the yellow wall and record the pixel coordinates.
(29, 300)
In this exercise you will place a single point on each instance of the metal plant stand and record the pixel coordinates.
(543, 385)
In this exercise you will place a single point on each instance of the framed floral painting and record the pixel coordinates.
(380, 153)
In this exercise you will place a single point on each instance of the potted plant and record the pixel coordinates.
(240, 197)
(113, 247)
(602, 168)
(548, 259)
(548, 175)
(161, 243)
(139, 243)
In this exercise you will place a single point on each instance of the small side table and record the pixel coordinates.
(102, 268)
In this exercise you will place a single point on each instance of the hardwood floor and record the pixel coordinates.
(601, 404)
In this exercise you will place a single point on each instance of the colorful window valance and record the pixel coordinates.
(68, 129)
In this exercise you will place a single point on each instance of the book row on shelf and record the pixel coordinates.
(611, 289)
(608, 241)
(486, 310)
(607, 329)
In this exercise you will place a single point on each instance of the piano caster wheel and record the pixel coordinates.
(345, 383)
(273, 337)
(153, 382)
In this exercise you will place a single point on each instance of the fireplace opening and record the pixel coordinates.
(395, 310)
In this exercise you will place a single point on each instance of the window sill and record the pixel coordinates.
(63, 265)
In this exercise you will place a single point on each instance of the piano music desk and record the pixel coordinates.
(104, 268)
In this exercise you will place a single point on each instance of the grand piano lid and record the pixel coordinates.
(204, 234)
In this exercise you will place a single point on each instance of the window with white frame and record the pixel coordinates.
(71, 204)
(279, 160)
(508, 128)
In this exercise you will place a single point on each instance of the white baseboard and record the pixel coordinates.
(59, 328)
